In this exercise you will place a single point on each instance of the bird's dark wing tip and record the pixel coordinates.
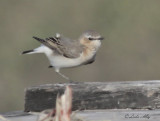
(35, 37)
(39, 39)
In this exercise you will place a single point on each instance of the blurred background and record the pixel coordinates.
(129, 52)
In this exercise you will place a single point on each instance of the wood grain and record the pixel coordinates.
(97, 95)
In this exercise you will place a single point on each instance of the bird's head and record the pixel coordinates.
(91, 38)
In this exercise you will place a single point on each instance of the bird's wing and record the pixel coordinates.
(63, 46)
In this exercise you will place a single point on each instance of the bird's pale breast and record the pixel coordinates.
(60, 61)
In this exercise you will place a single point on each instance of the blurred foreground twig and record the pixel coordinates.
(3, 118)
(63, 108)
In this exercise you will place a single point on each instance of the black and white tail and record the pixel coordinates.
(41, 49)
(44, 48)
(28, 52)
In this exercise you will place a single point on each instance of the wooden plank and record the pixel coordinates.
(118, 115)
(98, 115)
(97, 95)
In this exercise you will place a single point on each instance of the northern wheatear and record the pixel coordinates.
(63, 52)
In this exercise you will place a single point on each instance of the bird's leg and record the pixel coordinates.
(65, 77)
(62, 75)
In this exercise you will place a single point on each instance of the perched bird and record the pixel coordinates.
(63, 52)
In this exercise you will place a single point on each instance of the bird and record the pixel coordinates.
(64, 52)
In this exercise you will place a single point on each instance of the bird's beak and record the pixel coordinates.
(101, 38)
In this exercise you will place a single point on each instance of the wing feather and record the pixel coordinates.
(63, 46)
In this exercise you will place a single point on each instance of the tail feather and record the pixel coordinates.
(28, 52)
(41, 49)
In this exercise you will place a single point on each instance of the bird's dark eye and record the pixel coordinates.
(91, 38)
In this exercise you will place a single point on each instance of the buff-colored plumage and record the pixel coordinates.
(63, 52)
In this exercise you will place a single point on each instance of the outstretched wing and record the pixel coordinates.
(63, 46)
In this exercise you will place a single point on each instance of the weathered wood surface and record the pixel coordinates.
(97, 115)
(97, 95)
